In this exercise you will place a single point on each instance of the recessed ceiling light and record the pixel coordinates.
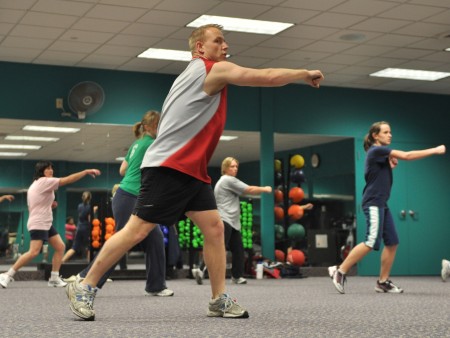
(241, 25)
(227, 138)
(12, 154)
(410, 74)
(166, 54)
(20, 146)
(31, 138)
(51, 129)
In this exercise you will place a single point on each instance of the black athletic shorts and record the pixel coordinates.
(43, 235)
(167, 194)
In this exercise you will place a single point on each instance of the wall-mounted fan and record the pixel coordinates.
(85, 98)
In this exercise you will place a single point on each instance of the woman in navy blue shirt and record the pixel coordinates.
(380, 161)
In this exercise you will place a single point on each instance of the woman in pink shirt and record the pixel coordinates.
(41, 200)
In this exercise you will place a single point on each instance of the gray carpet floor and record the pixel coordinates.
(308, 307)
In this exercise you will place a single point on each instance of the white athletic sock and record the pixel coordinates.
(11, 272)
(54, 275)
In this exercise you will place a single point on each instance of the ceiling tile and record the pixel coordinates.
(410, 12)
(36, 32)
(20, 42)
(167, 18)
(85, 36)
(100, 25)
(48, 20)
(188, 6)
(319, 5)
(380, 25)
(61, 7)
(240, 10)
(363, 7)
(289, 15)
(335, 20)
(121, 13)
(11, 15)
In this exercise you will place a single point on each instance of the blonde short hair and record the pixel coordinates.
(198, 34)
(226, 164)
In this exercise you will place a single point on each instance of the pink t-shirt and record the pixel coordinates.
(40, 197)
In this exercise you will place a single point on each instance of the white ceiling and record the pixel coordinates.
(108, 34)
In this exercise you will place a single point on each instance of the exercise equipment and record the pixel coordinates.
(297, 161)
(298, 176)
(279, 232)
(277, 166)
(296, 257)
(295, 212)
(296, 231)
(279, 255)
(296, 194)
(278, 195)
(279, 213)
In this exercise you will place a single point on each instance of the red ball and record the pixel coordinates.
(279, 213)
(279, 255)
(295, 212)
(278, 194)
(296, 257)
(296, 194)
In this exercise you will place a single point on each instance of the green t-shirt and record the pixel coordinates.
(131, 183)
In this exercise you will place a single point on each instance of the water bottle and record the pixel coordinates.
(259, 271)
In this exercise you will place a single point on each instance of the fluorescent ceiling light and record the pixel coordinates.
(242, 25)
(410, 74)
(12, 154)
(227, 138)
(447, 49)
(20, 146)
(120, 159)
(166, 54)
(31, 138)
(51, 129)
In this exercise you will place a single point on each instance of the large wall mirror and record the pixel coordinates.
(103, 145)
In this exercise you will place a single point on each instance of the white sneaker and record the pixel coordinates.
(445, 272)
(56, 282)
(198, 275)
(162, 293)
(239, 280)
(5, 279)
(73, 278)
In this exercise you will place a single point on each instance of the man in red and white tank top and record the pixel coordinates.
(175, 182)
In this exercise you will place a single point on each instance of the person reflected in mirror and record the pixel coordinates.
(71, 229)
(41, 200)
(83, 232)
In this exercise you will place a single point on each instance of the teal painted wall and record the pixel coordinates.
(29, 92)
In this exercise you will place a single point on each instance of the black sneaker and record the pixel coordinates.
(338, 278)
(387, 286)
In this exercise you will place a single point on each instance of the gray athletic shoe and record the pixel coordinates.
(81, 300)
(240, 280)
(162, 293)
(338, 278)
(56, 282)
(388, 287)
(445, 272)
(226, 307)
(198, 275)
